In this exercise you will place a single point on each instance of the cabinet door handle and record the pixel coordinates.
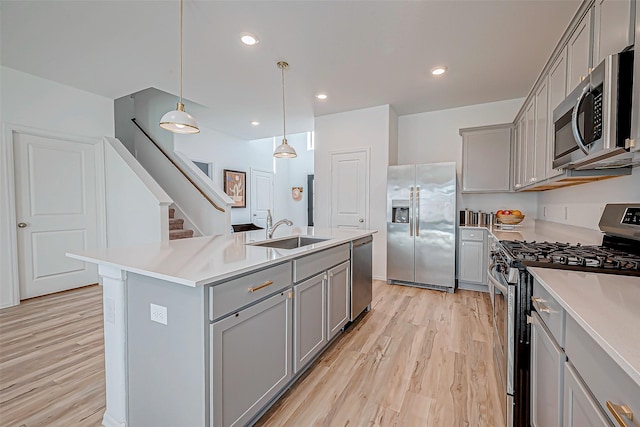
(619, 411)
(264, 285)
(540, 308)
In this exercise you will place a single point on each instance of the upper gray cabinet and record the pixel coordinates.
(557, 90)
(486, 159)
(579, 53)
(613, 28)
(541, 131)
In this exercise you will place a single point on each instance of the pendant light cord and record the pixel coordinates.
(284, 115)
(181, 5)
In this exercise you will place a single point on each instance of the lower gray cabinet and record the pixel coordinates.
(310, 325)
(250, 359)
(472, 262)
(547, 365)
(338, 303)
(580, 409)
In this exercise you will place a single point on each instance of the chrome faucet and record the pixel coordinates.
(271, 227)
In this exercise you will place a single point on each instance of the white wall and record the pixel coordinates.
(434, 137)
(125, 130)
(228, 152)
(31, 101)
(149, 106)
(293, 173)
(369, 127)
(137, 208)
(584, 203)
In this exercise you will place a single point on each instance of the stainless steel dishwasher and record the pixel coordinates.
(361, 277)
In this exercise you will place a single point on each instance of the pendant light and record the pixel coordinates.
(284, 150)
(178, 120)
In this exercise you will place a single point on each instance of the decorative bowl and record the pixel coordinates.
(510, 219)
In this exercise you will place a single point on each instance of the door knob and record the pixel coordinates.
(22, 225)
(361, 220)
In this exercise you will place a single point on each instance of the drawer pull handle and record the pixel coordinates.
(264, 285)
(616, 410)
(540, 308)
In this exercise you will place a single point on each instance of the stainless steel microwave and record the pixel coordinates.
(592, 125)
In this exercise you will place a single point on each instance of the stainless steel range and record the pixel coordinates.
(511, 287)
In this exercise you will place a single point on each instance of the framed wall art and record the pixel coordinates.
(235, 185)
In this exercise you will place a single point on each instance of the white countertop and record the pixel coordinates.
(201, 260)
(605, 305)
(531, 233)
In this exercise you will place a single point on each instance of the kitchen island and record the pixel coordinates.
(212, 330)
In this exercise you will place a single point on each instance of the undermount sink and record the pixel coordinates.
(290, 243)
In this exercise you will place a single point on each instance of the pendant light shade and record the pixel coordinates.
(284, 150)
(178, 120)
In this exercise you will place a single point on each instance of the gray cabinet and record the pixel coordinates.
(579, 53)
(528, 158)
(613, 28)
(321, 303)
(472, 262)
(541, 131)
(557, 90)
(580, 410)
(310, 319)
(338, 303)
(250, 359)
(486, 159)
(547, 365)
(611, 388)
(518, 156)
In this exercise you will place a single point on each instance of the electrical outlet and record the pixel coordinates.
(158, 314)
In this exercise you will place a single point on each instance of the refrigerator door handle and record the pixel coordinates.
(411, 211)
(417, 211)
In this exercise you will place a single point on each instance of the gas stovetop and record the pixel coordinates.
(597, 259)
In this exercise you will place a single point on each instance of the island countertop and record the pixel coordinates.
(202, 260)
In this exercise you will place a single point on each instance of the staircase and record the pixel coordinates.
(176, 227)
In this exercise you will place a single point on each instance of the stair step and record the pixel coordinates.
(172, 212)
(180, 234)
(176, 223)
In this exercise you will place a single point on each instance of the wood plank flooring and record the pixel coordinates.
(419, 358)
(52, 360)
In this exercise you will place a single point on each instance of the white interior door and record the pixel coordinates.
(350, 189)
(56, 212)
(261, 196)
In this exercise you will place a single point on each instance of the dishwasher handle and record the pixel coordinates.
(361, 242)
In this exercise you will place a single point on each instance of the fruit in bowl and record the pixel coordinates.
(510, 216)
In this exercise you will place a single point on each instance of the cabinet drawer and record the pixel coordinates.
(602, 375)
(472, 234)
(227, 297)
(551, 313)
(313, 264)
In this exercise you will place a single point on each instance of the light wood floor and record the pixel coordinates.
(419, 358)
(52, 360)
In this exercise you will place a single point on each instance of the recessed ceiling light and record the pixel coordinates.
(321, 96)
(438, 71)
(249, 39)
(255, 123)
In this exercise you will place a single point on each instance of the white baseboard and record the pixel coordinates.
(109, 421)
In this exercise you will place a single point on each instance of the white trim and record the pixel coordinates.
(367, 150)
(8, 209)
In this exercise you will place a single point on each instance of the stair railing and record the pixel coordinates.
(197, 187)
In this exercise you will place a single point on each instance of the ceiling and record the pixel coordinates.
(361, 53)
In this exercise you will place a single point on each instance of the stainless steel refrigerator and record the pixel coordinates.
(421, 225)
